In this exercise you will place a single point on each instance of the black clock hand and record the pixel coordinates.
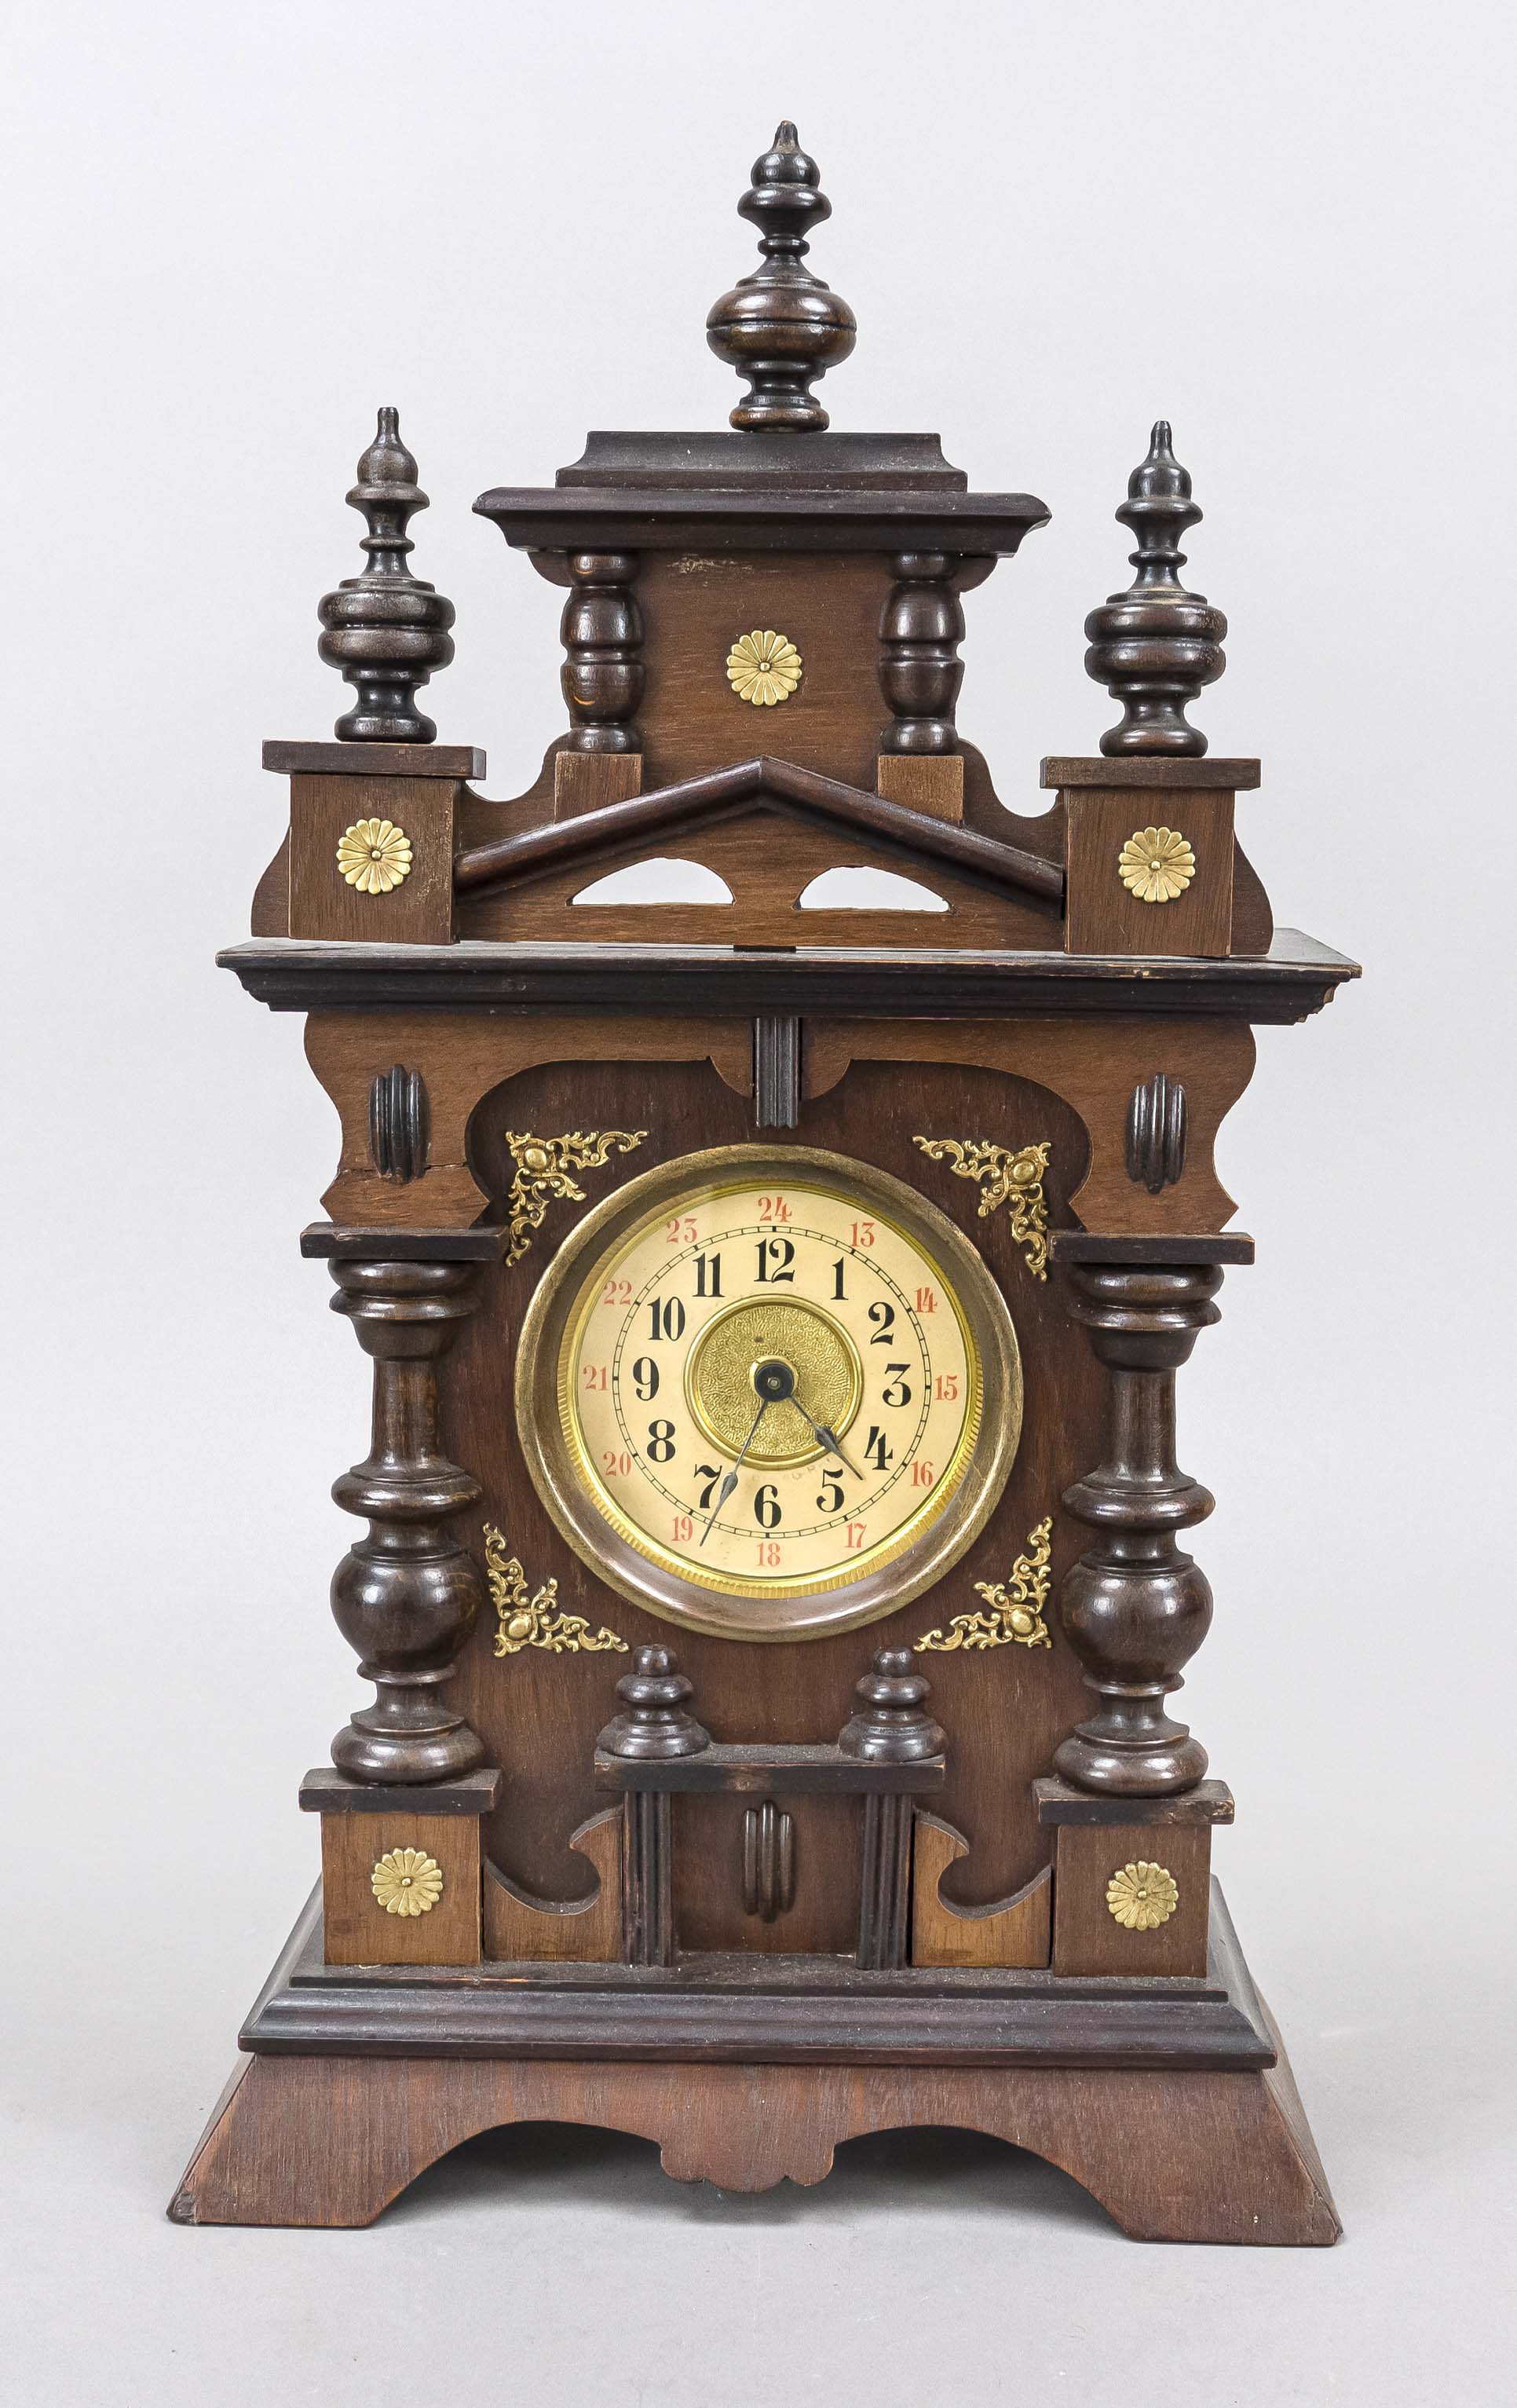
(827, 1437)
(729, 1480)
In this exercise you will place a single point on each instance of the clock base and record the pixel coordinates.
(1173, 2152)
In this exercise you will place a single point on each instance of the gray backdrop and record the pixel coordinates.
(229, 235)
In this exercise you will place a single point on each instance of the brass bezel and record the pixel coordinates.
(739, 1611)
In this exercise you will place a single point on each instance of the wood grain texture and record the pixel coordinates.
(1102, 917)
(330, 2141)
(463, 1058)
(587, 782)
(695, 607)
(1092, 1065)
(1087, 1937)
(523, 1930)
(925, 782)
(419, 911)
(358, 1929)
(1004, 1931)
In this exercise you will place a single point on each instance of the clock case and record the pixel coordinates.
(751, 1900)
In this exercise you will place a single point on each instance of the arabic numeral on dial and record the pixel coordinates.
(876, 1451)
(645, 1379)
(708, 1275)
(708, 1472)
(666, 1320)
(766, 1506)
(775, 1257)
(831, 1498)
(883, 1317)
(838, 1296)
(897, 1388)
(660, 1441)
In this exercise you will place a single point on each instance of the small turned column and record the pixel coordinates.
(405, 1597)
(602, 632)
(890, 1726)
(1134, 1607)
(920, 669)
(652, 1726)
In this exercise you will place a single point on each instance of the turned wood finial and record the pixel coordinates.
(1156, 646)
(386, 630)
(654, 1721)
(890, 1724)
(781, 328)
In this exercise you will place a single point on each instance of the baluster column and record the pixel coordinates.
(1136, 1607)
(405, 1597)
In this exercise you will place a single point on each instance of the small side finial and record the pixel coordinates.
(781, 328)
(386, 630)
(1156, 646)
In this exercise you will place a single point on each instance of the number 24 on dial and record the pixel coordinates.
(769, 1387)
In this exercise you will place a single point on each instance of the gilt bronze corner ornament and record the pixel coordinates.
(1004, 1173)
(543, 1165)
(763, 668)
(1157, 864)
(406, 1881)
(533, 1620)
(1142, 1897)
(1015, 1617)
(373, 856)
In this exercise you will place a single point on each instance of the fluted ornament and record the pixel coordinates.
(386, 630)
(1156, 645)
(781, 328)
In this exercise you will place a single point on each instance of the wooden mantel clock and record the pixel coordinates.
(772, 1588)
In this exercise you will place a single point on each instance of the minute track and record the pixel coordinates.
(878, 1318)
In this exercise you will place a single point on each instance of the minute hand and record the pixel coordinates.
(730, 1479)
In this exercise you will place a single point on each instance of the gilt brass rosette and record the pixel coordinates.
(373, 856)
(763, 668)
(1142, 1896)
(1157, 864)
(406, 1881)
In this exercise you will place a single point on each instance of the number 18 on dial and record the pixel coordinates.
(784, 1391)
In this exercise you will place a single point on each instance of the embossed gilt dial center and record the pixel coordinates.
(793, 1358)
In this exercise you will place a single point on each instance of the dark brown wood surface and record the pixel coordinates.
(358, 1928)
(419, 911)
(1087, 1937)
(1102, 917)
(584, 1931)
(1005, 1711)
(1004, 1931)
(330, 2141)
(1295, 978)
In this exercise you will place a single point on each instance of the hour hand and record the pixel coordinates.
(833, 1444)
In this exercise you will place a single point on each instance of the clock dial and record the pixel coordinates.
(769, 1381)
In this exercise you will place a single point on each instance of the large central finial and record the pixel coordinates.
(781, 328)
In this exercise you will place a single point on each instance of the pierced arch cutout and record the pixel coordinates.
(664, 881)
(862, 889)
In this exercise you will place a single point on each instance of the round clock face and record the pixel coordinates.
(770, 1393)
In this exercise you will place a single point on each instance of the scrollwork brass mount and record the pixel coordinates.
(543, 1167)
(533, 1619)
(1005, 1175)
(1016, 1604)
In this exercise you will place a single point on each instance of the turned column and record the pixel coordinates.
(602, 632)
(404, 1596)
(653, 1726)
(890, 1726)
(1136, 1607)
(920, 668)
